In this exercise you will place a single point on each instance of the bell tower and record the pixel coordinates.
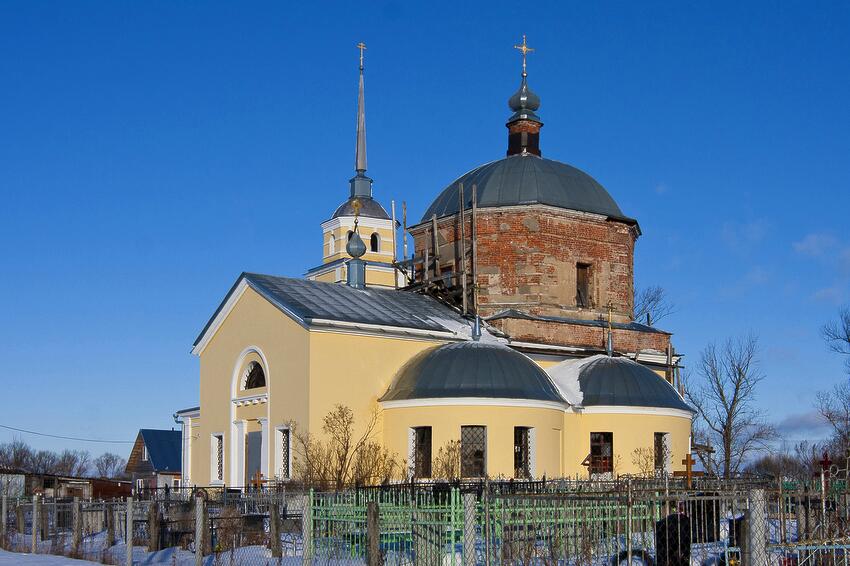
(359, 213)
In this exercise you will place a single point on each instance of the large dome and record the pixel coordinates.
(528, 179)
(471, 369)
(614, 381)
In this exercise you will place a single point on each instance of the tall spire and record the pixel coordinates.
(361, 185)
(360, 152)
(524, 125)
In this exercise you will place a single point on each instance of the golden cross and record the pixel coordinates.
(525, 50)
(362, 47)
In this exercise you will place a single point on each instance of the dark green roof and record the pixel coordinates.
(471, 369)
(619, 381)
(528, 179)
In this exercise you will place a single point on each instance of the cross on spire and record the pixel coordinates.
(525, 50)
(362, 47)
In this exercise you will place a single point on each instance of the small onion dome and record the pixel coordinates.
(369, 208)
(472, 369)
(355, 246)
(524, 104)
(616, 381)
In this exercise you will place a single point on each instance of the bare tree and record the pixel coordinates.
(73, 463)
(727, 417)
(652, 305)
(16, 455)
(43, 462)
(834, 407)
(836, 333)
(109, 465)
(447, 462)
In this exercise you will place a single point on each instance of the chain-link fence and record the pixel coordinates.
(474, 523)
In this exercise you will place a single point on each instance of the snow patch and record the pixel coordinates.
(566, 374)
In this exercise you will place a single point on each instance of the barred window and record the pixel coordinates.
(601, 452)
(218, 446)
(522, 452)
(422, 452)
(285, 446)
(473, 451)
(661, 452)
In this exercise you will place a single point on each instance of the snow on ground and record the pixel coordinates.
(13, 558)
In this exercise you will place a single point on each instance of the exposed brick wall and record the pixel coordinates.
(527, 256)
(565, 334)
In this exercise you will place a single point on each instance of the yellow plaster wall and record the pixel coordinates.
(631, 431)
(385, 253)
(500, 422)
(252, 322)
(355, 370)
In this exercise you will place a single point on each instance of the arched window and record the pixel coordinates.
(375, 242)
(331, 245)
(254, 376)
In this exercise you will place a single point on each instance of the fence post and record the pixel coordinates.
(469, 529)
(5, 516)
(373, 535)
(128, 536)
(200, 531)
(307, 527)
(153, 527)
(77, 526)
(35, 510)
(20, 525)
(274, 529)
(755, 523)
(110, 524)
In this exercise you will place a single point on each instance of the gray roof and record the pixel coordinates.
(369, 208)
(471, 369)
(623, 382)
(308, 300)
(528, 179)
(634, 326)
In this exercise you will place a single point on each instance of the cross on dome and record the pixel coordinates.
(525, 50)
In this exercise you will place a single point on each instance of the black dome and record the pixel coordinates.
(369, 208)
(528, 179)
(471, 369)
(620, 381)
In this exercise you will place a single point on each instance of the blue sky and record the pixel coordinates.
(150, 152)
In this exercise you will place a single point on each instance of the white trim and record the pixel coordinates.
(382, 329)
(214, 479)
(219, 319)
(237, 450)
(260, 399)
(473, 401)
(348, 222)
(532, 452)
(264, 446)
(411, 452)
(627, 410)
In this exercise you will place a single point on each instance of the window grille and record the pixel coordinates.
(522, 453)
(473, 451)
(661, 452)
(422, 452)
(284, 453)
(601, 452)
(219, 457)
(256, 377)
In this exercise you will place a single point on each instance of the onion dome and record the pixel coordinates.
(472, 369)
(615, 381)
(524, 103)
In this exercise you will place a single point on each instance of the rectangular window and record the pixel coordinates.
(144, 453)
(473, 451)
(662, 453)
(285, 448)
(522, 452)
(601, 452)
(583, 285)
(422, 452)
(217, 457)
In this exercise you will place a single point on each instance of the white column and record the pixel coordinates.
(237, 468)
(186, 472)
(264, 448)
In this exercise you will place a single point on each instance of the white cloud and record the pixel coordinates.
(815, 245)
(741, 236)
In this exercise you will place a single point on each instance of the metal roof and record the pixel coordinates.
(311, 300)
(528, 179)
(369, 208)
(620, 381)
(164, 449)
(633, 325)
(471, 369)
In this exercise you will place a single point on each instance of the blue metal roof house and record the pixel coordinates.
(156, 459)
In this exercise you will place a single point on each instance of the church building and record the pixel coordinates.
(509, 332)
